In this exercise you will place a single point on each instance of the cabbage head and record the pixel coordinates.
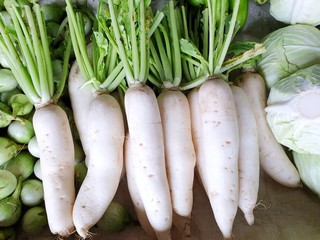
(293, 110)
(296, 11)
(308, 166)
(289, 49)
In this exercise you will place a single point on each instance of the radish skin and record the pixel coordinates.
(55, 142)
(273, 159)
(196, 130)
(221, 147)
(80, 97)
(179, 149)
(130, 165)
(180, 154)
(249, 166)
(146, 136)
(106, 139)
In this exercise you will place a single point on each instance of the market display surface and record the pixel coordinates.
(159, 119)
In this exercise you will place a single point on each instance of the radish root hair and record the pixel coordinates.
(263, 206)
(90, 236)
(58, 237)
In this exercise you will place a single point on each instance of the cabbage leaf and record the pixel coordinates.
(308, 166)
(289, 49)
(296, 11)
(293, 111)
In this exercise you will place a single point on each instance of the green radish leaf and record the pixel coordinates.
(103, 46)
(190, 49)
(20, 105)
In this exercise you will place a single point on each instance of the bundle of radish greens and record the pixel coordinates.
(135, 93)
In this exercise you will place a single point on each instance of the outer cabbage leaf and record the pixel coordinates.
(293, 110)
(296, 11)
(308, 166)
(289, 49)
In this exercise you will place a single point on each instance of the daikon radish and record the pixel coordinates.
(80, 98)
(57, 166)
(179, 149)
(249, 165)
(196, 129)
(273, 158)
(106, 138)
(146, 136)
(221, 147)
(27, 50)
(166, 73)
(142, 112)
(102, 132)
(130, 163)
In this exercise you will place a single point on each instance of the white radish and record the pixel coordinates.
(273, 159)
(130, 165)
(100, 123)
(221, 147)
(106, 138)
(196, 130)
(179, 149)
(180, 154)
(146, 136)
(80, 98)
(57, 166)
(249, 166)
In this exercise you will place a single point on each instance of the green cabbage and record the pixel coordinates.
(293, 110)
(289, 49)
(308, 166)
(296, 11)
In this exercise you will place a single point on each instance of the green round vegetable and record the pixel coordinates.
(34, 220)
(114, 219)
(87, 24)
(53, 29)
(37, 169)
(292, 113)
(52, 12)
(33, 147)
(20, 104)
(282, 56)
(8, 233)
(21, 165)
(10, 208)
(6, 16)
(32, 192)
(8, 149)
(309, 168)
(8, 183)
(5, 96)
(8, 81)
(21, 131)
(57, 66)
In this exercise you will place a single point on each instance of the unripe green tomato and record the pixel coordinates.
(21, 131)
(32, 192)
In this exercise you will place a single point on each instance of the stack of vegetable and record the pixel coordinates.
(146, 46)
(290, 67)
(146, 95)
(21, 89)
(36, 122)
